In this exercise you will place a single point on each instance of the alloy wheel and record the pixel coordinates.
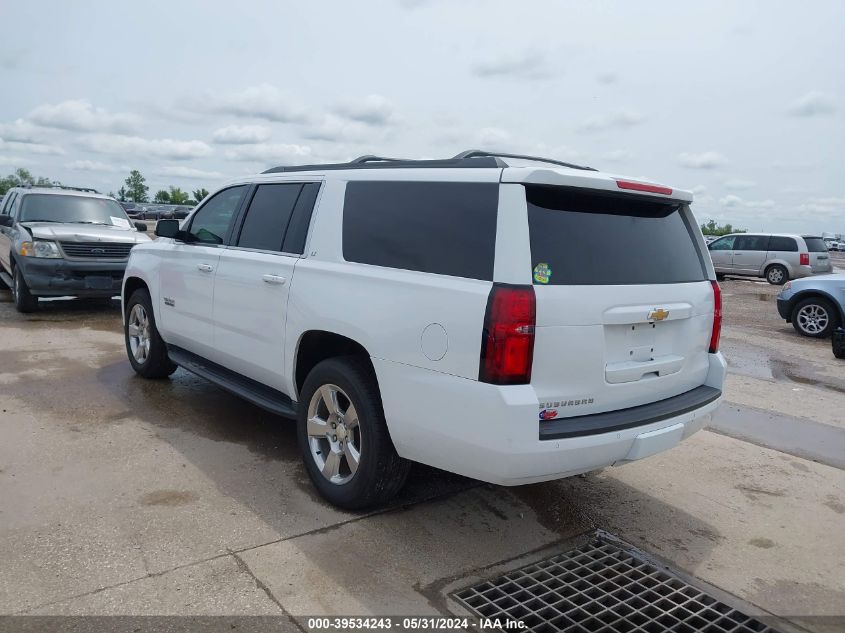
(776, 275)
(138, 330)
(813, 319)
(334, 435)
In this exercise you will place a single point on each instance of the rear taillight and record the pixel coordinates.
(804, 259)
(507, 341)
(717, 318)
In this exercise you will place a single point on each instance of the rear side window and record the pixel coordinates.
(752, 243)
(268, 216)
(815, 245)
(448, 228)
(301, 219)
(783, 244)
(583, 238)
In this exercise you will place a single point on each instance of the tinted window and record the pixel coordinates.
(7, 203)
(447, 228)
(580, 238)
(268, 216)
(752, 243)
(782, 244)
(211, 223)
(815, 244)
(300, 220)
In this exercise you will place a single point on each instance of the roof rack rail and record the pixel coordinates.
(477, 153)
(473, 158)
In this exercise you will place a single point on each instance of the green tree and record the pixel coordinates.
(121, 194)
(199, 194)
(177, 196)
(22, 178)
(711, 228)
(162, 197)
(136, 188)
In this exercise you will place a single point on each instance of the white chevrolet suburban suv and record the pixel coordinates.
(509, 323)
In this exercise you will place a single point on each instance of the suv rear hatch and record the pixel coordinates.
(624, 306)
(819, 257)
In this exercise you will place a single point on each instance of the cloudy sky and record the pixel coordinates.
(743, 102)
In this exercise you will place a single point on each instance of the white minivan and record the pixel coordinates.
(777, 257)
(513, 324)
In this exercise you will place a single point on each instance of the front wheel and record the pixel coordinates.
(343, 436)
(814, 317)
(24, 300)
(145, 347)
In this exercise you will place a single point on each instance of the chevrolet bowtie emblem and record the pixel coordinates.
(658, 314)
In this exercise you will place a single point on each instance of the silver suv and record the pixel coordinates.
(777, 257)
(62, 241)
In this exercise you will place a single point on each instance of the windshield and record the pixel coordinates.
(72, 209)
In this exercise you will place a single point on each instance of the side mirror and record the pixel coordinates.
(6, 220)
(167, 228)
(141, 226)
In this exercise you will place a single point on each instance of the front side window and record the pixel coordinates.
(447, 228)
(752, 243)
(723, 244)
(37, 207)
(211, 224)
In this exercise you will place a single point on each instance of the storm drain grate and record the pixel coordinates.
(601, 587)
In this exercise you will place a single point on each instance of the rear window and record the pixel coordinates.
(815, 245)
(448, 228)
(582, 238)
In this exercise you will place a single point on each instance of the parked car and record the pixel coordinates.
(450, 312)
(132, 209)
(815, 306)
(180, 213)
(60, 241)
(776, 257)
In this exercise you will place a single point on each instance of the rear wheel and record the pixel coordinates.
(145, 347)
(777, 275)
(343, 436)
(720, 276)
(815, 317)
(24, 300)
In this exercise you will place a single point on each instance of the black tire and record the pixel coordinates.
(838, 341)
(156, 363)
(25, 302)
(777, 275)
(821, 320)
(381, 473)
(720, 276)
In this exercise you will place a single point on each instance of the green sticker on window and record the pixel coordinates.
(542, 273)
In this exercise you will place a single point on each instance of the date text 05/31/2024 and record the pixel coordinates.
(408, 623)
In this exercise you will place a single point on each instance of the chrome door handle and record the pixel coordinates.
(274, 279)
(206, 268)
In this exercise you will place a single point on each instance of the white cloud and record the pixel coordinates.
(181, 171)
(825, 206)
(528, 64)
(616, 119)
(135, 145)
(21, 131)
(702, 160)
(264, 101)
(31, 148)
(699, 189)
(15, 161)
(812, 104)
(732, 201)
(617, 155)
(737, 184)
(607, 78)
(281, 153)
(94, 165)
(335, 129)
(82, 116)
(372, 110)
(493, 138)
(241, 134)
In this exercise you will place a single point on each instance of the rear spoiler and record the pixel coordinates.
(592, 180)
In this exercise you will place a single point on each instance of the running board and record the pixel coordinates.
(6, 279)
(258, 394)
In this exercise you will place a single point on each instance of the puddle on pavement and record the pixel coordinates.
(790, 371)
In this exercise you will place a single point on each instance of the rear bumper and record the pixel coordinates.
(799, 272)
(492, 433)
(60, 277)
